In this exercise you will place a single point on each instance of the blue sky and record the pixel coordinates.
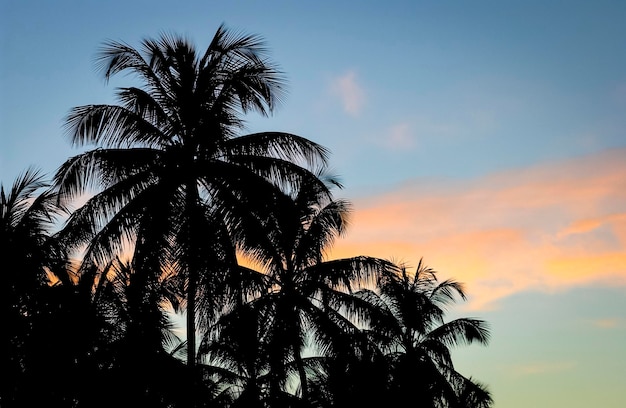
(488, 137)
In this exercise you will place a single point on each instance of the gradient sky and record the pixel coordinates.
(486, 137)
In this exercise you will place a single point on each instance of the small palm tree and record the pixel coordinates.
(28, 213)
(50, 325)
(58, 325)
(169, 166)
(407, 323)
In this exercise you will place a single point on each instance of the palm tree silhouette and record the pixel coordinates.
(307, 298)
(49, 327)
(27, 217)
(170, 169)
(407, 323)
(174, 199)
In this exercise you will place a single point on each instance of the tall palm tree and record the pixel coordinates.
(305, 306)
(169, 163)
(407, 323)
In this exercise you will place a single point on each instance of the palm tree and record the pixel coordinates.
(28, 213)
(58, 324)
(170, 168)
(151, 371)
(407, 323)
(307, 301)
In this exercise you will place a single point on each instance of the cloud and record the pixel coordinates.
(350, 92)
(399, 137)
(543, 368)
(451, 124)
(608, 323)
(549, 227)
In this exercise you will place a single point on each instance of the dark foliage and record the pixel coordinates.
(176, 199)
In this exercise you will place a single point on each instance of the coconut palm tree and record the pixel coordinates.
(59, 329)
(407, 323)
(306, 305)
(28, 215)
(170, 167)
(151, 372)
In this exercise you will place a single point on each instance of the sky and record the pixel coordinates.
(487, 138)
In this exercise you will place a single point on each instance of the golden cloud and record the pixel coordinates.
(548, 227)
(544, 368)
(608, 323)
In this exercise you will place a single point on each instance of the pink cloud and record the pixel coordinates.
(350, 92)
(547, 227)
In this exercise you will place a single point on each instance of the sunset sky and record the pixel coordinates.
(486, 137)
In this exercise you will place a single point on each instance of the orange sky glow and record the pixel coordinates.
(548, 227)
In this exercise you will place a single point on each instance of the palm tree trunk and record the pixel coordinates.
(191, 317)
(192, 265)
(300, 363)
(303, 381)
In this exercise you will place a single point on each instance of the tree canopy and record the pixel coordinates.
(171, 196)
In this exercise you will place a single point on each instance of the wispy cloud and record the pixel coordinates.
(549, 227)
(608, 323)
(399, 137)
(543, 367)
(350, 92)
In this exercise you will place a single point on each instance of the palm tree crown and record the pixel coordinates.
(306, 304)
(407, 323)
(169, 165)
